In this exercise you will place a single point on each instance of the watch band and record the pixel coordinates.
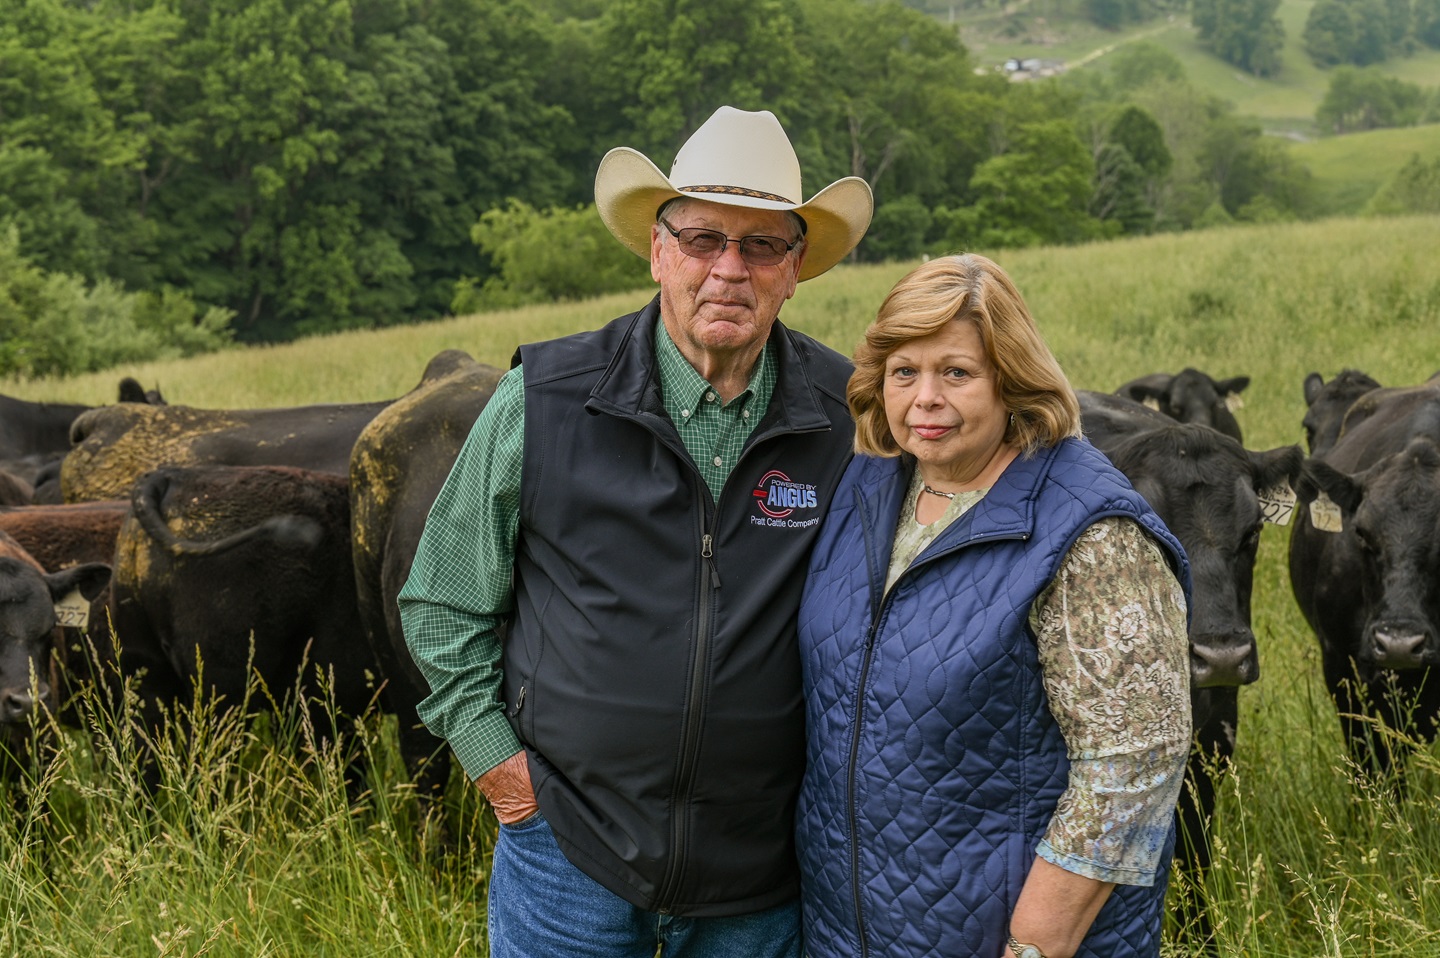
(1024, 951)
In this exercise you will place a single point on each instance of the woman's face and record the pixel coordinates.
(943, 405)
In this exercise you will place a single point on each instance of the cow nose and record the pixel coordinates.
(1400, 646)
(17, 704)
(1223, 660)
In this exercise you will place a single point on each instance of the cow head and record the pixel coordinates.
(1391, 534)
(1191, 396)
(1327, 403)
(1206, 487)
(27, 632)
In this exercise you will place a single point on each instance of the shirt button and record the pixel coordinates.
(709, 397)
(746, 414)
(684, 414)
(719, 461)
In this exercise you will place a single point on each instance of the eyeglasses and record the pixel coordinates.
(757, 250)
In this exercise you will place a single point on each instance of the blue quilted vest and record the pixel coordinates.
(933, 762)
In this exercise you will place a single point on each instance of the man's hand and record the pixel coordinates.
(507, 787)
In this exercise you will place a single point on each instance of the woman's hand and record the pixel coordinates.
(1056, 909)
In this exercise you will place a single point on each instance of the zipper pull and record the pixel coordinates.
(708, 554)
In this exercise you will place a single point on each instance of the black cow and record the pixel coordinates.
(114, 445)
(1208, 490)
(1327, 403)
(1365, 568)
(1191, 396)
(14, 491)
(28, 632)
(240, 568)
(399, 464)
(33, 434)
(59, 538)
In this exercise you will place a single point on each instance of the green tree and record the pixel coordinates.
(1036, 192)
(1329, 33)
(1426, 21)
(670, 63)
(537, 253)
(899, 230)
(1243, 32)
(1135, 65)
(1363, 98)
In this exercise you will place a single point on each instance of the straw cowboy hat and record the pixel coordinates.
(739, 159)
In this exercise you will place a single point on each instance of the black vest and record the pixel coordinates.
(651, 667)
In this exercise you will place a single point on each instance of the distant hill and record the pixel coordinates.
(1349, 169)
(1055, 30)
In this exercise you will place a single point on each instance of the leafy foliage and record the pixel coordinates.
(1243, 32)
(55, 324)
(1366, 99)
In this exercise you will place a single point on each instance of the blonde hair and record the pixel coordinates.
(966, 288)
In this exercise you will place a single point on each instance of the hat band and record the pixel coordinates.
(737, 191)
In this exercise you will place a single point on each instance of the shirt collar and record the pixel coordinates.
(684, 390)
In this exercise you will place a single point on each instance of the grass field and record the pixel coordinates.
(252, 850)
(1348, 170)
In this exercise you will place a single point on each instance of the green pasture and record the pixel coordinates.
(252, 850)
(1348, 170)
(1284, 103)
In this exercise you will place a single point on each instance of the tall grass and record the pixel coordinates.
(250, 846)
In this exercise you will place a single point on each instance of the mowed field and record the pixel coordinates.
(252, 850)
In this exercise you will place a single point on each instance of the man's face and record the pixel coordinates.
(721, 305)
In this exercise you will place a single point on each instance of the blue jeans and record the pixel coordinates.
(541, 906)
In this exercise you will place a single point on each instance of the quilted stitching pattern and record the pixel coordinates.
(938, 713)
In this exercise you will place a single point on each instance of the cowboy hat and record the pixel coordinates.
(739, 159)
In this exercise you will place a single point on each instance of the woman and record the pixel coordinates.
(994, 643)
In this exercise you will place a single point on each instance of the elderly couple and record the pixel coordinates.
(755, 655)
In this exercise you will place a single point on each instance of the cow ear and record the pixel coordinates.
(1234, 384)
(1273, 466)
(1317, 476)
(1313, 384)
(90, 578)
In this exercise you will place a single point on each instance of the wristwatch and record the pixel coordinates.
(1025, 951)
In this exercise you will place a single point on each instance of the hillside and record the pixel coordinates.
(1285, 103)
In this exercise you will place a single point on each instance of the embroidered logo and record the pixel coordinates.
(778, 496)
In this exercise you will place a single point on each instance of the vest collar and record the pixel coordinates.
(630, 385)
(1007, 511)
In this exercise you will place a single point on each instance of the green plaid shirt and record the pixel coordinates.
(459, 590)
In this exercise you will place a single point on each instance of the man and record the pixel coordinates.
(653, 487)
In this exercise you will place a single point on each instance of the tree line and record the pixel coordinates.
(177, 173)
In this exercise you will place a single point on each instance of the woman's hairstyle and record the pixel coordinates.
(968, 288)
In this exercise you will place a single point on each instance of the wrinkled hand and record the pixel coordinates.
(508, 789)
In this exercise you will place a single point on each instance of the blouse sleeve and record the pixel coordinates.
(1114, 658)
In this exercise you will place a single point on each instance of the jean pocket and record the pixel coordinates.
(531, 821)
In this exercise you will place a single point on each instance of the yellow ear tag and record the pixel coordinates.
(1233, 402)
(73, 611)
(1325, 515)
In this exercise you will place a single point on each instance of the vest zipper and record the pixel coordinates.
(690, 726)
(879, 597)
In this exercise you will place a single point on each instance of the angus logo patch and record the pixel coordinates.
(778, 497)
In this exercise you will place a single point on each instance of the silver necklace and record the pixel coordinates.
(937, 492)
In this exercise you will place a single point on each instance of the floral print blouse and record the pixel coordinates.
(1114, 659)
